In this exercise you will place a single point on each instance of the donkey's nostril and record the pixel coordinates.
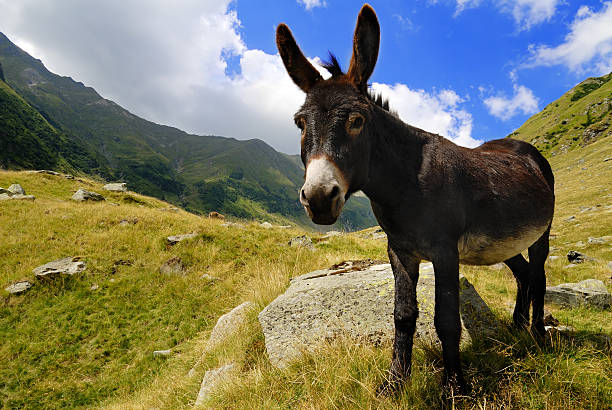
(303, 196)
(335, 191)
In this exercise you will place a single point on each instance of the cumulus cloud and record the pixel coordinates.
(504, 108)
(189, 67)
(588, 44)
(434, 112)
(310, 4)
(526, 13)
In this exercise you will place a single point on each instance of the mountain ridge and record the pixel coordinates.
(202, 173)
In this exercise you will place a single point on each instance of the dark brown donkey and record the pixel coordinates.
(435, 200)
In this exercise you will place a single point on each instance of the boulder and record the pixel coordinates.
(588, 293)
(228, 324)
(266, 225)
(357, 303)
(65, 266)
(84, 195)
(116, 187)
(18, 287)
(16, 189)
(173, 266)
(174, 239)
(211, 379)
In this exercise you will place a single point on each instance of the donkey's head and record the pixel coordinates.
(334, 119)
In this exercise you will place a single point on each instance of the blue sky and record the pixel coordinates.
(471, 70)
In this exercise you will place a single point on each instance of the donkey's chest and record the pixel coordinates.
(483, 249)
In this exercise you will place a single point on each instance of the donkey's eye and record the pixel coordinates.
(301, 124)
(354, 124)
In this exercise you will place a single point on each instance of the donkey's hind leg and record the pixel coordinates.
(520, 269)
(538, 252)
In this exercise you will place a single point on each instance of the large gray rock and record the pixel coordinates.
(65, 266)
(359, 303)
(211, 379)
(16, 189)
(18, 287)
(84, 195)
(588, 293)
(116, 187)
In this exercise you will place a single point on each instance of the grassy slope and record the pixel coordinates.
(579, 117)
(67, 345)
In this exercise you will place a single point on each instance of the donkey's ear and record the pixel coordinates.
(303, 74)
(365, 48)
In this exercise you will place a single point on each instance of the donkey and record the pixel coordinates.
(435, 200)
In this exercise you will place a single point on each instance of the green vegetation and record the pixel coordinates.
(580, 117)
(199, 173)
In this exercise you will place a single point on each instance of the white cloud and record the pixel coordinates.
(526, 13)
(172, 68)
(587, 46)
(433, 112)
(310, 4)
(505, 108)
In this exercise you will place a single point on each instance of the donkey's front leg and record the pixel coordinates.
(447, 319)
(406, 274)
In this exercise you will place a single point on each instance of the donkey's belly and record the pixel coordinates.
(480, 249)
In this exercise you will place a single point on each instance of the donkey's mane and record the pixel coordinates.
(334, 68)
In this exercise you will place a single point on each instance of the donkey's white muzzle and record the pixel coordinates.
(323, 192)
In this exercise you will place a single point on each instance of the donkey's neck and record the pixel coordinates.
(396, 157)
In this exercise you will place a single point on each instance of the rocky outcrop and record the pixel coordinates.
(588, 293)
(358, 303)
(14, 192)
(84, 195)
(65, 266)
(302, 241)
(16, 189)
(116, 187)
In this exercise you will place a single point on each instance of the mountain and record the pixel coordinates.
(246, 179)
(580, 117)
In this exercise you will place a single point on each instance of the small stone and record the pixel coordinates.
(575, 257)
(16, 189)
(158, 353)
(266, 225)
(331, 234)
(66, 266)
(68, 176)
(553, 257)
(234, 224)
(549, 319)
(171, 209)
(206, 276)
(598, 241)
(571, 265)
(94, 287)
(174, 239)
(18, 287)
(113, 203)
(302, 241)
(173, 266)
(84, 195)
(571, 218)
(498, 266)
(21, 197)
(4, 197)
(610, 265)
(211, 379)
(116, 187)
(131, 221)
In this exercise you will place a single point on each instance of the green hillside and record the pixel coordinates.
(28, 141)
(580, 117)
